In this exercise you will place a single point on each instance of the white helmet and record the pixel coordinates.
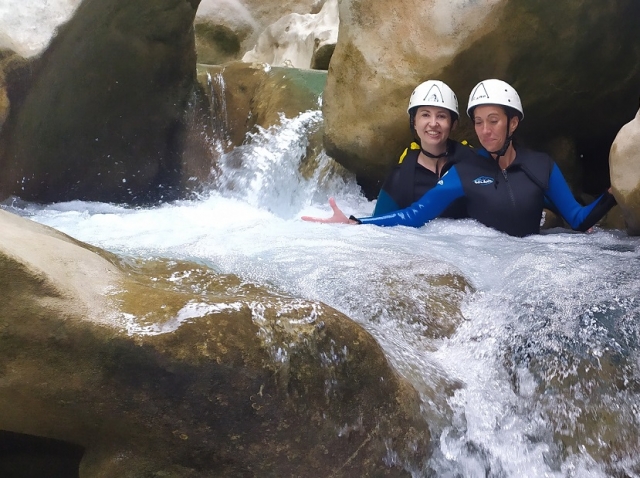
(434, 93)
(495, 92)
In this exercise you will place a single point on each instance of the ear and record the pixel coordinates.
(513, 124)
(454, 125)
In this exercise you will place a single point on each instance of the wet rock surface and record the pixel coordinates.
(162, 366)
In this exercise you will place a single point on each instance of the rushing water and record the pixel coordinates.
(539, 376)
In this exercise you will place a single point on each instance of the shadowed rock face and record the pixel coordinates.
(168, 367)
(564, 75)
(104, 118)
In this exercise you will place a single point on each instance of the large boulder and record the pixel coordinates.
(165, 368)
(105, 116)
(624, 163)
(562, 74)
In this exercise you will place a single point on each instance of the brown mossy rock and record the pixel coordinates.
(217, 44)
(624, 163)
(4, 97)
(165, 368)
(105, 116)
(15, 78)
(257, 95)
(541, 48)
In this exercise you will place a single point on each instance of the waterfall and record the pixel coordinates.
(218, 112)
(524, 350)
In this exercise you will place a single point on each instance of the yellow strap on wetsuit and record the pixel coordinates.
(413, 145)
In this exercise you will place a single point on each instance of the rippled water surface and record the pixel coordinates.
(525, 350)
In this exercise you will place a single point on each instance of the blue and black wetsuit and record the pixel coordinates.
(509, 200)
(408, 181)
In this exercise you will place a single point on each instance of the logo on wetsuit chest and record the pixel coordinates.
(483, 180)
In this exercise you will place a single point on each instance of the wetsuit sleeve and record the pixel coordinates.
(428, 207)
(580, 218)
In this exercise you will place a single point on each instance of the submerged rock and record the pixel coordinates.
(165, 367)
(579, 394)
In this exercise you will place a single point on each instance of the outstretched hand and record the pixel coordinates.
(338, 216)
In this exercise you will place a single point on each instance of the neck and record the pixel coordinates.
(509, 156)
(435, 150)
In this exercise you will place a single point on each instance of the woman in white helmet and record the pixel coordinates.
(506, 187)
(433, 115)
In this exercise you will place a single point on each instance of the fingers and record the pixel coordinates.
(338, 217)
(334, 207)
(313, 219)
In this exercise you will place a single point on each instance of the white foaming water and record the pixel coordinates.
(509, 390)
(27, 27)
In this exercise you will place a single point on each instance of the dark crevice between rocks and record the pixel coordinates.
(29, 456)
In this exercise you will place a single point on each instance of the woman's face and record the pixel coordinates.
(491, 123)
(433, 126)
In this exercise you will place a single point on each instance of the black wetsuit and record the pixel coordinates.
(509, 200)
(408, 181)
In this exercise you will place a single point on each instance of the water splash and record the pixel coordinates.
(267, 171)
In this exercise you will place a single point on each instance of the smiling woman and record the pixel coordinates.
(433, 115)
(505, 186)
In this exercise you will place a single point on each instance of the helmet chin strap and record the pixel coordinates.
(501, 152)
(435, 156)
